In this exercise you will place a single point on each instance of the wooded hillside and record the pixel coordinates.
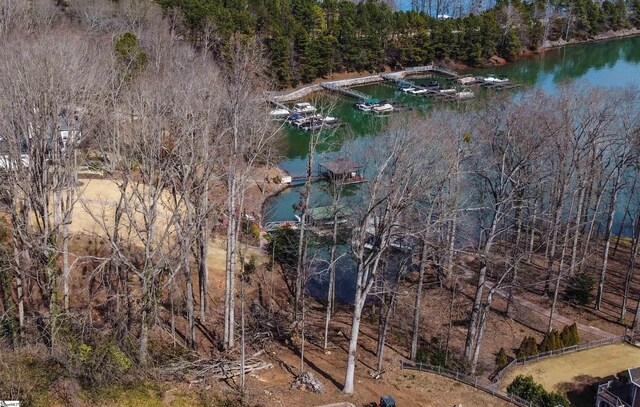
(309, 38)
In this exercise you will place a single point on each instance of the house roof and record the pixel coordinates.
(634, 375)
(342, 165)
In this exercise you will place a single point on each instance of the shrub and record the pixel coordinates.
(434, 354)
(528, 347)
(422, 356)
(569, 335)
(96, 366)
(501, 359)
(526, 388)
(438, 357)
(551, 341)
(255, 230)
(580, 289)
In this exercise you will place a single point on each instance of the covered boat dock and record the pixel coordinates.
(342, 170)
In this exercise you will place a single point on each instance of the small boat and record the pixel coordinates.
(382, 108)
(408, 89)
(313, 124)
(319, 123)
(418, 91)
(496, 79)
(297, 119)
(466, 80)
(464, 94)
(447, 91)
(367, 105)
(279, 113)
(304, 108)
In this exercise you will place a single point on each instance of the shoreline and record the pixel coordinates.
(290, 95)
(607, 35)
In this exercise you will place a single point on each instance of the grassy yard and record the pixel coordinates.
(577, 373)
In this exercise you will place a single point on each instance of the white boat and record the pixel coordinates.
(418, 91)
(330, 120)
(367, 105)
(450, 90)
(304, 108)
(464, 94)
(408, 89)
(496, 79)
(382, 108)
(466, 80)
(279, 113)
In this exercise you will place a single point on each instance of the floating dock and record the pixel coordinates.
(500, 86)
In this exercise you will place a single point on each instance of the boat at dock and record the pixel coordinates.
(382, 108)
(495, 79)
(314, 122)
(297, 119)
(464, 94)
(279, 114)
(367, 105)
(468, 80)
(375, 106)
(304, 108)
(447, 91)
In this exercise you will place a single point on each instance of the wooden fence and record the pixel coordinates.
(557, 352)
(468, 380)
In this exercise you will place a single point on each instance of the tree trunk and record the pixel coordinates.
(555, 228)
(482, 325)
(67, 214)
(577, 231)
(353, 345)
(232, 238)
(382, 332)
(607, 240)
(559, 278)
(203, 260)
(417, 306)
(332, 279)
(302, 244)
(191, 330)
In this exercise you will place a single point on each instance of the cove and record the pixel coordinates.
(612, 63)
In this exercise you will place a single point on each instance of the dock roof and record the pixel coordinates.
(342, 165)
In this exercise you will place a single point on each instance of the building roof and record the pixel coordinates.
(341, 165)
(634, 375)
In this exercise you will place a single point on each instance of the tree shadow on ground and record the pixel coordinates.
(582, 390)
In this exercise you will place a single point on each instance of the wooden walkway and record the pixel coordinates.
(277, 104)
(331, 86)
(500, 86)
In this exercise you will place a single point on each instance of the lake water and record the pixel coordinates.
(614, 63)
